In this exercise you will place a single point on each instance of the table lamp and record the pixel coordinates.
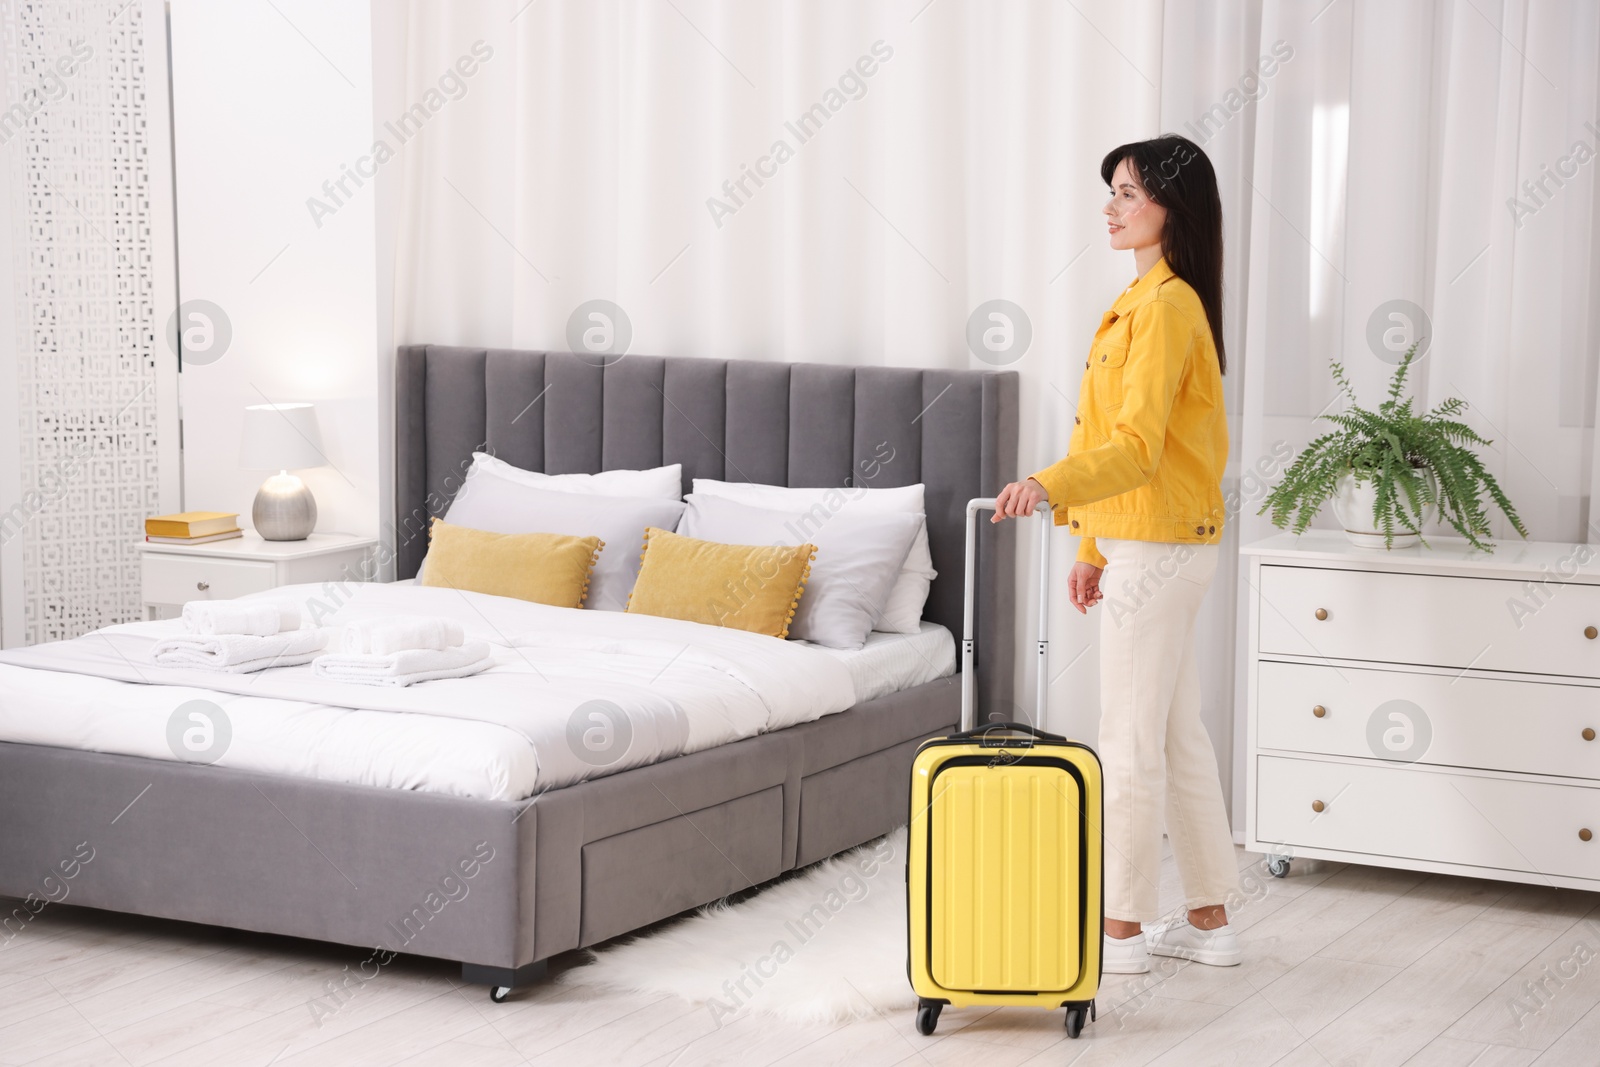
(282, 437)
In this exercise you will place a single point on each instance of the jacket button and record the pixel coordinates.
(1074, 524)
(1102, 358)
(1199, 529)
(1211, 529)
(1076, 420)
(1085, 364)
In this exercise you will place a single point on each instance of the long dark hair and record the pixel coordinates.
(1178, 176)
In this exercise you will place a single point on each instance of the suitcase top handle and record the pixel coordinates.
(984, 733)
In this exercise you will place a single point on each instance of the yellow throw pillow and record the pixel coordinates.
(746, 587)
(544, 568)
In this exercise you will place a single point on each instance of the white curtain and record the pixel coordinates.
(1365, 152)
(1442, 155)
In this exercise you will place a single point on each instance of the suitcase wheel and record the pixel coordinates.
(928, 1015)
(1075, 1019)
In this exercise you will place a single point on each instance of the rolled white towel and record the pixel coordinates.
(261, 618)
(397, 633)
(239, 653)
(404, 667)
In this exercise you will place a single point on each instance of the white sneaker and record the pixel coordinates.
(1219, 947)
(1125, 955)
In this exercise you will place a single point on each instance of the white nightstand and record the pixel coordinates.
(171, 575)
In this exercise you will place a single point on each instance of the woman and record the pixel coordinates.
(1141, 486)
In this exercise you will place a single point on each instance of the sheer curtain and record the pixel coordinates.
(1428, 169)
(1366, 151)
(580, 162)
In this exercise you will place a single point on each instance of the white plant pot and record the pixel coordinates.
(1352, 505)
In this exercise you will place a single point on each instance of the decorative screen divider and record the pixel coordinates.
(85, 146)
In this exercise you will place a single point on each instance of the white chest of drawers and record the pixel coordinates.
(1434, 708)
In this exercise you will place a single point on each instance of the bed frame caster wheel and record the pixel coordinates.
(1278, 866)
(1075, 1019)
(499, 993)
(928, 1016)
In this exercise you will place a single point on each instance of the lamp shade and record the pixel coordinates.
(281, 437)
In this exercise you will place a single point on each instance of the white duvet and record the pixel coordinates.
(589, 692)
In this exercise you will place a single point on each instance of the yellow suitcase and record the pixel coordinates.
(1004, 879)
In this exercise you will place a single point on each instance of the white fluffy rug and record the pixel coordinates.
(826, 945)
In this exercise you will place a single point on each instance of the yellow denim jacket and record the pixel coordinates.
(1150, 438)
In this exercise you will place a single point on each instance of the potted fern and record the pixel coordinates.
(1387, 472)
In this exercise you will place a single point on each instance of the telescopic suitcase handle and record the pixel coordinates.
(969, 682)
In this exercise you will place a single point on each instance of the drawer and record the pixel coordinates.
(1439, 620)
(1432, 815)
(1532, 727)
(177, 579)
(659, 870)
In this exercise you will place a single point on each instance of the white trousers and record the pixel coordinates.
(1159, 765)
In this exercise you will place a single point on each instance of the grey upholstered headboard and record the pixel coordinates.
(796, 424)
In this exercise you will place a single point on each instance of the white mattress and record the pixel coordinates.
(892, 662)
(385, 748)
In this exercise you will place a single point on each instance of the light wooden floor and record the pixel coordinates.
(1343, 965)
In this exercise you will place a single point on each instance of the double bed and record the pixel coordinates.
(441, 827)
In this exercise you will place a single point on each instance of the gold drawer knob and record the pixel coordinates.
(1319, 711)
(1322, 613)
(1317, 805)
(1585, 834)
(1590, 632)
(1588, 733)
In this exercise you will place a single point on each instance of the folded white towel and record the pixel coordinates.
(262, 618)
(239, 653)
(396, 633)
(404, 667)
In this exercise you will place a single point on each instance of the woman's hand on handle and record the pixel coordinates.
(1083, 586)
(1019, 499)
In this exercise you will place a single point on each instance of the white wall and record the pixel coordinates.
(271, 101)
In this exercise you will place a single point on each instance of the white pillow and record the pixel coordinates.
(664, 482)
(489, 501)
(903, 612)
(858, 560)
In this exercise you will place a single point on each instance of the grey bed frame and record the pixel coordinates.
(501, 886)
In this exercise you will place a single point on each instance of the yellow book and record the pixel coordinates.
(191, 524)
